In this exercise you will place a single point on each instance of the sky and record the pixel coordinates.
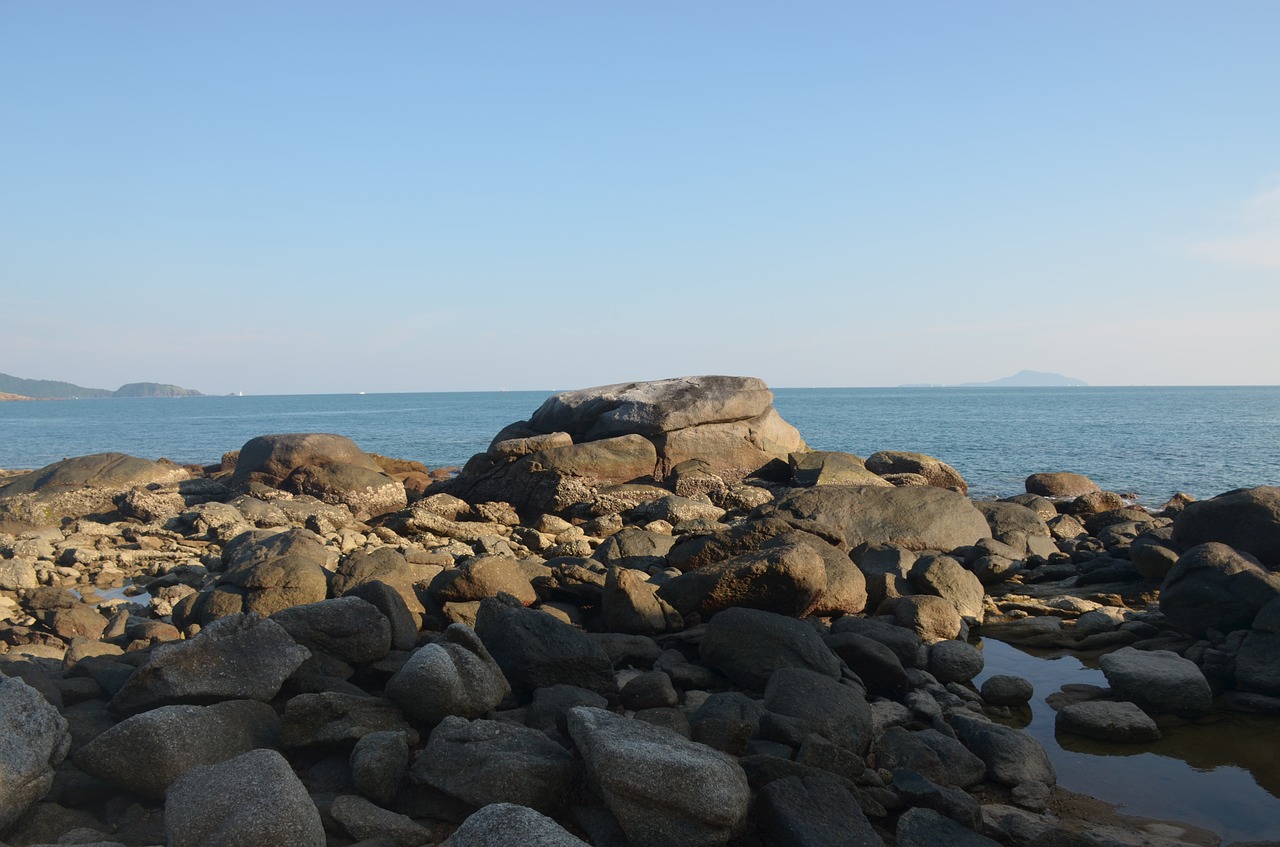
(315, 197)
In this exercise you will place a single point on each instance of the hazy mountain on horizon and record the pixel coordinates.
(1027, 379)
(48, 389)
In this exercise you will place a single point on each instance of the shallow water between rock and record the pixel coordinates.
(1221, 773)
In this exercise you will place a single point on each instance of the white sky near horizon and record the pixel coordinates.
(290, 197)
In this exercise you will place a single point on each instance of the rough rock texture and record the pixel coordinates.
(239, 657)
(535, 650)
(630, 432)
(347, 628)
(1214, 586)
(1247, 519)
(84, 485)
(820, 467)
(265, 572)
(1107, 721)
(482, 762)
(748, 645)
(662, 788)
(916, 518)
(837, 712)
(1158, 681)
(1060, 484)
(813, 811)
(453, 675)
(788, 579)
(1012, 757)
(147, 752)
(34, 739)
(504, 824)
(329, 467)
(253, 800)
(937, 472)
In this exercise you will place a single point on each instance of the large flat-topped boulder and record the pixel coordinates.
(917, 518)
(652, 408)
(579, 442)
(84, 485)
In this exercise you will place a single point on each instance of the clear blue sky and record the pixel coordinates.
(292, 197)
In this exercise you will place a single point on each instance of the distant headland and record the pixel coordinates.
(1022, 379)
(16, 388)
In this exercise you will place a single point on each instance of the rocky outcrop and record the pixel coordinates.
(1215, 587)
(935, 471)
(629, 432)
(330, 468)
(85, 485)
(917, 518)
(1247, 519)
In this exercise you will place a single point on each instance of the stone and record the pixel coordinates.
(838, 712)
(481, 762)
(1060, 484)
(1258, 662)
(916, 518)
(1216, 587)
(662, 788)
(846, 589)
(504, 824)
(329, 467)
(818, 467)
(535, 650)
(366, 821)
(1158, 681)
(813, 811)
(379, 762)
(918, 791)
(932, 618)
(347, 628)
(1246, 519)
(648, 691)
(954, 661)
(630, 604)
(34, 739)
(787, 579)
(79, 487)
(145, 753)
(1007, 690)
(1012, 757)
(939, 757)
(252, 800)
(265, 572)
(921, 827)
(632, 547)
(453, 675)
(238, 657)
(905, 642)
(938, 473)
(1107, 721)
(485, 576)
(875, 664)
(748, 645)
(945, 577)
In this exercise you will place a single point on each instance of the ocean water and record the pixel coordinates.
(1149, 442)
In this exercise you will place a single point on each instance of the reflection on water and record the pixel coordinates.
(1221, 773)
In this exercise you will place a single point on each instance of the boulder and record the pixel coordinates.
(1007, 690)
(78, 487)
(1247, 519)
(453, 675)
(347, 628)
(34, 739)
(820, 467)
(954, 661)
(1158, 681)
(1258, 663)
(787, 578)
(748, 645)
(932, 618)
(846, 589)
(630, 604)
(662, 788)
(1012, 757)
(252, 800)
(1215, 587)
(265, 572)
(535, 650)
(823, 706)
(238, 657)
(144, 754)
(504, 824)
(916, 518)
(922, 827)
(938, 473)
(943, 576)
(379, 762)
(482, 762)
(1107, 721)
(369, 822)
(812, 811)
(875, 664)
(939, 757)
(338, 719)
(1060, 484)
(484, 576)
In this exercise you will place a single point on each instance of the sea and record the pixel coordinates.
(1148, 442)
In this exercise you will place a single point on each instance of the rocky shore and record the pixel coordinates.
(648, 615)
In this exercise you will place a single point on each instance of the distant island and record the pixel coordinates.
(1022, 379)
(16, 388)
